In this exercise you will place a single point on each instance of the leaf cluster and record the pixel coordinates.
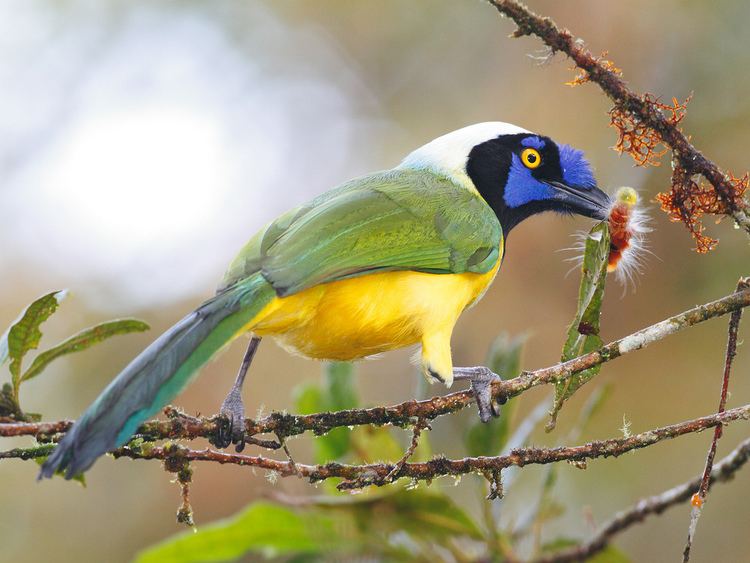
(25, 335)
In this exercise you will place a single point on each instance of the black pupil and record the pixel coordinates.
(531, 157)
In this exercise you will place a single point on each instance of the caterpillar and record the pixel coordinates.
(627, 228)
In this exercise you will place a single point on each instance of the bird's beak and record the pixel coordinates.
(587, 201)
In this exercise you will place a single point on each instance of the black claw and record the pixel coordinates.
(495, 406)
(222, 438)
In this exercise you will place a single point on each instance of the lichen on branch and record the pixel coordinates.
(644, 123)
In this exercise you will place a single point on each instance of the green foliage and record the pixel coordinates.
(339, 386)
(394, 523)
(504, 359)
(84, 339)
(336, 393)
(263, 528)
(609, 554)
(583, 333)
(25, 334)
(363, 525)
(548, 508)
(389, 523)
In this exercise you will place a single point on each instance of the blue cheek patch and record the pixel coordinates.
(533, 142)
(576, 170)
(522, 187)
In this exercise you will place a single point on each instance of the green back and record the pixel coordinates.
(393, 220)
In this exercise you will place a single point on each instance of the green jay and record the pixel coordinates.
(380, 262)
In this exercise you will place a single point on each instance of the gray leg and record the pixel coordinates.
(233, 432)
(481, 383)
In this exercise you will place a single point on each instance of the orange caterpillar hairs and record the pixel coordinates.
(627, 227)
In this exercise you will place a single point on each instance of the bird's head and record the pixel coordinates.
(518, 173)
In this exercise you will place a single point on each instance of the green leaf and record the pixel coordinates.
(504, 359)
(263, 528)
(372, 444)
(339, 386)
(24, 334)
(308, 398)
(337, 393)
(558, 544)
(422, 513)
(610, 554)
(84, 339)
(583, 333)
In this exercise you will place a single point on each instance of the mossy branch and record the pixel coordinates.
(643, 122)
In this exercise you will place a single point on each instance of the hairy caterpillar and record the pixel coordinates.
(627, 224)
(627, 227)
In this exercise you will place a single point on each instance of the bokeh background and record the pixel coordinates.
(142, 143)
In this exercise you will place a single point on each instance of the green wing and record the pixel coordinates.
(394, 220)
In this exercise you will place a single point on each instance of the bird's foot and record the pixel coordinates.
(481, 383)
(231, 428)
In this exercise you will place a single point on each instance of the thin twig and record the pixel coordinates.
(180, 426)
(722, 472)
(393, 473)
(289, 457)
(699, 498)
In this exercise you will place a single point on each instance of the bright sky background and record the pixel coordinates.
(154, 150)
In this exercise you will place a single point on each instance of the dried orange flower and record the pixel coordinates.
(582, 76)
(690, 199)
(638, 139)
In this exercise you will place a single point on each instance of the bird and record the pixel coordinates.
(381, 262)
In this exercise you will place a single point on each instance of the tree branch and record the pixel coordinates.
(644, 108)
(182, 426)
(357, 476)
(700, 497)
(722, 472)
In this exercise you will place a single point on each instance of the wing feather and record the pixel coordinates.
(394, 220)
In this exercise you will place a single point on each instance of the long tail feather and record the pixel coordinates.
(156, 376)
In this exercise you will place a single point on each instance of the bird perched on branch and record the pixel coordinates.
(381, 262)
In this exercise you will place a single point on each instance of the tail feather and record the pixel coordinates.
(156, 376)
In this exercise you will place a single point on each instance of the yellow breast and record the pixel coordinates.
(357, 317)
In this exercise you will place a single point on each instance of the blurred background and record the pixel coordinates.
(141, 144)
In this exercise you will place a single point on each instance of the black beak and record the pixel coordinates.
(587, 201)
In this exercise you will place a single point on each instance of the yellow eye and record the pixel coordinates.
(531, 158)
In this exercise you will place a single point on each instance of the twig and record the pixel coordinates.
(289, 457)
(722, 472)
(644, 108)
(437, 466)
(699, 498)
(393, 473)
(180, 426)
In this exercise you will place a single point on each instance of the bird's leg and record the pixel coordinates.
(481, 383)
(232, 408)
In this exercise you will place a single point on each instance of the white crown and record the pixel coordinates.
(447, 155)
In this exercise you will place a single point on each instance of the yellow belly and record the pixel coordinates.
(357, 317)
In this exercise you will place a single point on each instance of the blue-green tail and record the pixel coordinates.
(156, 376)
